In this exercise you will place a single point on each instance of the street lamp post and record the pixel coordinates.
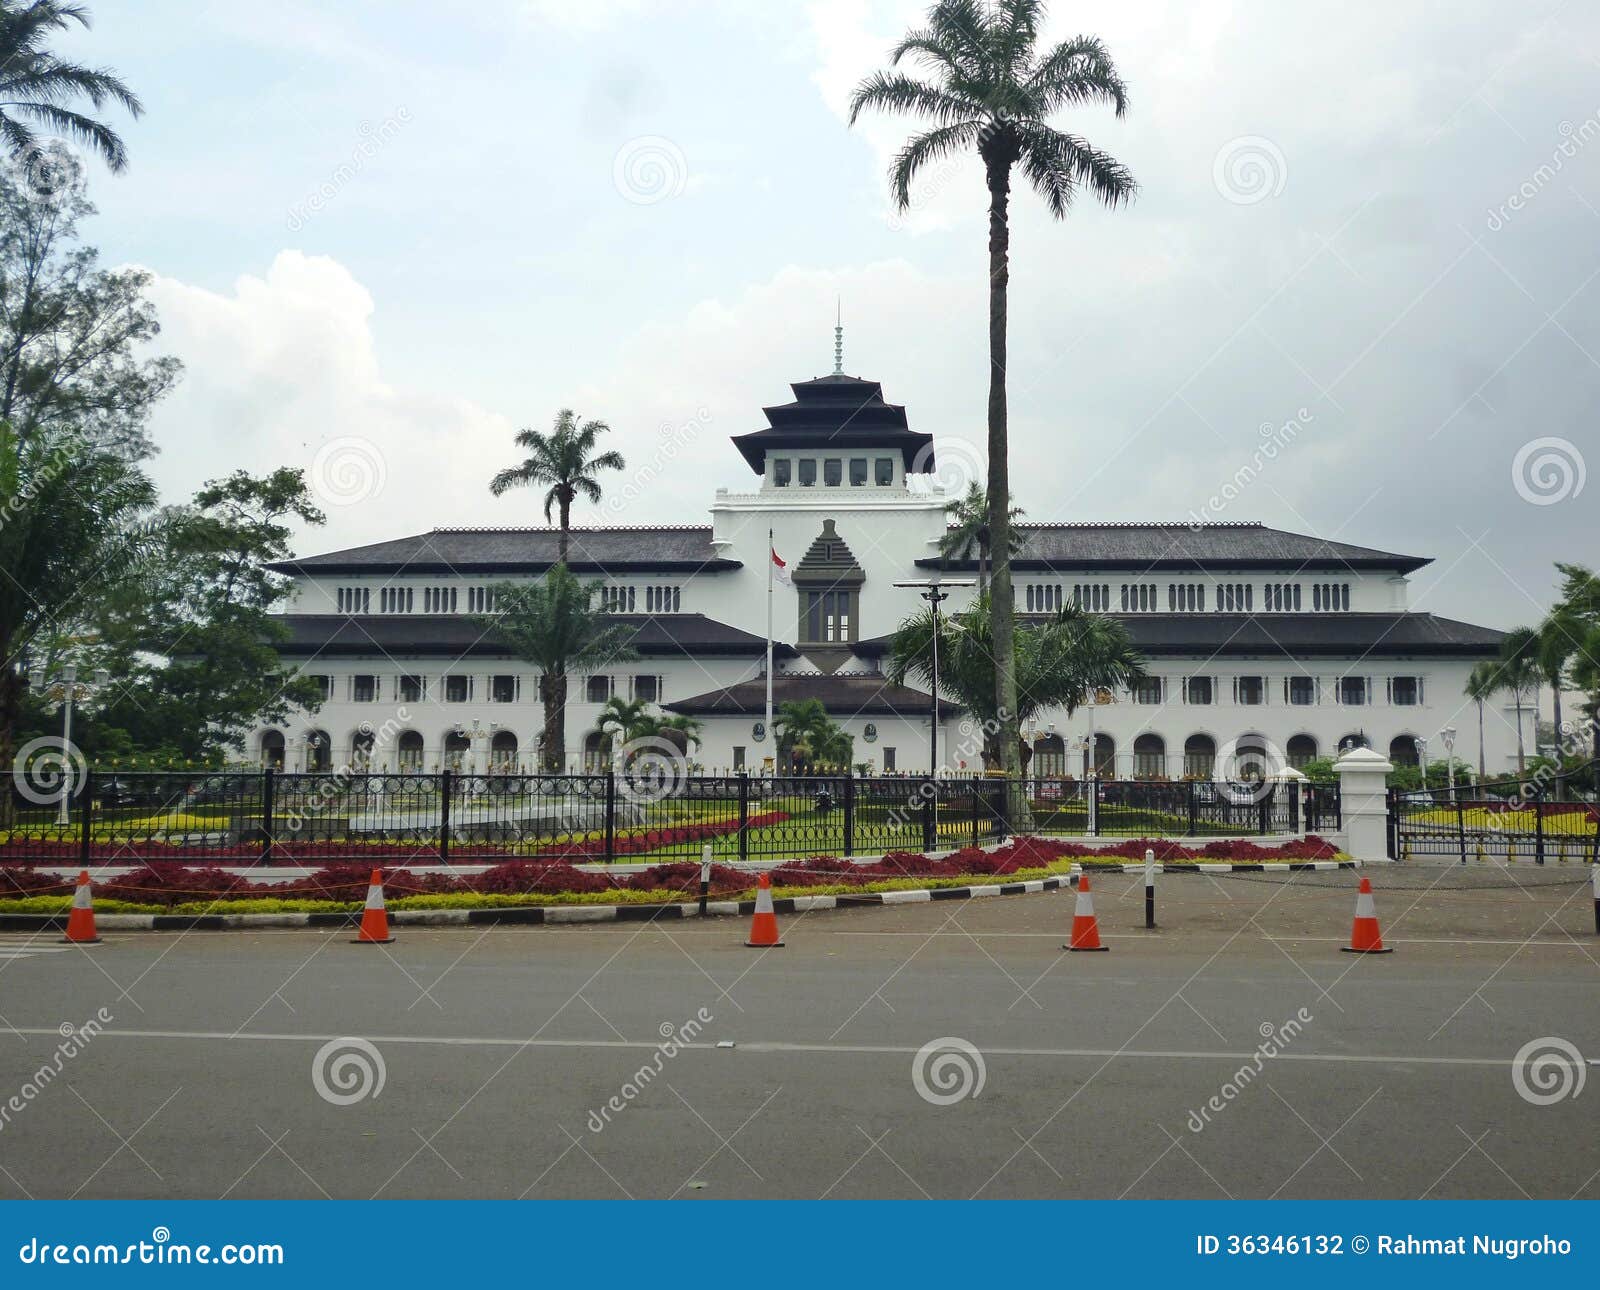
(933, 592)
(1447, 737)
(1422, 759)
(67, 679)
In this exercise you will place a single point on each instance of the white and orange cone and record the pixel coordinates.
(1085, 930)
(764, 923)
(1365, 938)
(375, 917)
(80, 922)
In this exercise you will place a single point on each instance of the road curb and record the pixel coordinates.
(557, 915)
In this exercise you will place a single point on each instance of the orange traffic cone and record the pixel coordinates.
(1364, 935)
(374, 918)
(80, 922)
(1085, 931)
(764, 924)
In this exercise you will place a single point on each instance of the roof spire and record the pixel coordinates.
(838, 338)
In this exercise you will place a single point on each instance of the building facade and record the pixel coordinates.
(1264, 646)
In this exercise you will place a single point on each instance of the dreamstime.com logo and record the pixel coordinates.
(650, 769)
(47, 767)
(948, 1070)
(346, 1071)
(74, 1039)
(348, 470)
(1249, 169)
(674, 1039)
(1548, 1070)
(1549, 470)
(650, 169)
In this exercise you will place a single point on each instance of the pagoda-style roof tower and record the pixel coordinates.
(840, 413)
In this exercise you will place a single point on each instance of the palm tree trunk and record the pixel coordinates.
(1001, 598)
(1555, 698)
(566, 529)
(1522, 758)
(1480, 741)
(553, 695)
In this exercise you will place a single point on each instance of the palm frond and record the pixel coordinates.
(897, 92)
(923, 149)
(1076, 72)
(1058, 164)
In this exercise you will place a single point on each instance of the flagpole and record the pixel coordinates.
(770, 736)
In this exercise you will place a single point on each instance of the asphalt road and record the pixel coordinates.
(510, 1058)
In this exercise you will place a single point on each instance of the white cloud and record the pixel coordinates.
(286, 365)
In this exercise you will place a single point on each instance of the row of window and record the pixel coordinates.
(1251, 758)
(354, 600)
(503, 687)
(803, 471)
(1296, 691)
(658, 599)
(1189, 597)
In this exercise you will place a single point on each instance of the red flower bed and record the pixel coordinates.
(175, 884)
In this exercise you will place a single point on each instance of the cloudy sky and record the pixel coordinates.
(384, 238)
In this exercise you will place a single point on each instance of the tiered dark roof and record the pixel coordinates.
(654, 548)
(444, 635)
(1217, 546)
(838, 412)
(842, 696)
(1217, 635)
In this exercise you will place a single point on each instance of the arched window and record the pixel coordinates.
(503, 751)
(411, 750)
(1403, 750)
(1105, 756)
(1199, 756)
(319, 751)
(272, 749)
(1149, 757)
(361, 744)
(1302, 751)
(456, 748)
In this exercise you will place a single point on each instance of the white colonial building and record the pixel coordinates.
(1260, 641)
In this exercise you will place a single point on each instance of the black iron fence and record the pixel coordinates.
(1538, 820)
(270, 817)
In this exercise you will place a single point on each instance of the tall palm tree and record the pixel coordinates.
(809, 736)
(1547, 648)
(967, 534)
(992, 89)
(1060, 663)
(1483, 683)
(555, 625)
(566, 461)
(36, 85)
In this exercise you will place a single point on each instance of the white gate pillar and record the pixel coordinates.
(1364, 803)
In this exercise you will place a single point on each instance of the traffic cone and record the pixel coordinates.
(80, 922)
(764, 923)
(1085, 930)
(374, 918)
(1364, 935)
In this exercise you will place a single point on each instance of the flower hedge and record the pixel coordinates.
(177, 885)
(140, 850)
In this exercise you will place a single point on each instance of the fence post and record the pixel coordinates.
(1365, 803)
(930, 816)
(1263, 810)
(1194, 809)
(444, 816)
(88, 809)
(1538, 826)
(269, 792)
(1295, 789)
(1461, 826)
(849, 814)
(1093, 784)
(744, 816)
(611, 814)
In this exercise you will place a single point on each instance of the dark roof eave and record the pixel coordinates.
(1398, 564)
(303, 568)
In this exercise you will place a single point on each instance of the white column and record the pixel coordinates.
(1364, 803)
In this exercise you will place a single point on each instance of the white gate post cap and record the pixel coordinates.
(1364, 760)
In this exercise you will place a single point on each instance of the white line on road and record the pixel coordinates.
(760, 1046)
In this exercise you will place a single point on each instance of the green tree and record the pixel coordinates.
(966, 536)
(624, 720)
(36, 86)
(1060, 662)
(991, 87)
(74, 338)
(73, 517)
(202, 606)
(565, 463)
(809, 739)
(1577, 617)
(555, 625)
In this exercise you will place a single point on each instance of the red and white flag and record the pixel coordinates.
(780, 570)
